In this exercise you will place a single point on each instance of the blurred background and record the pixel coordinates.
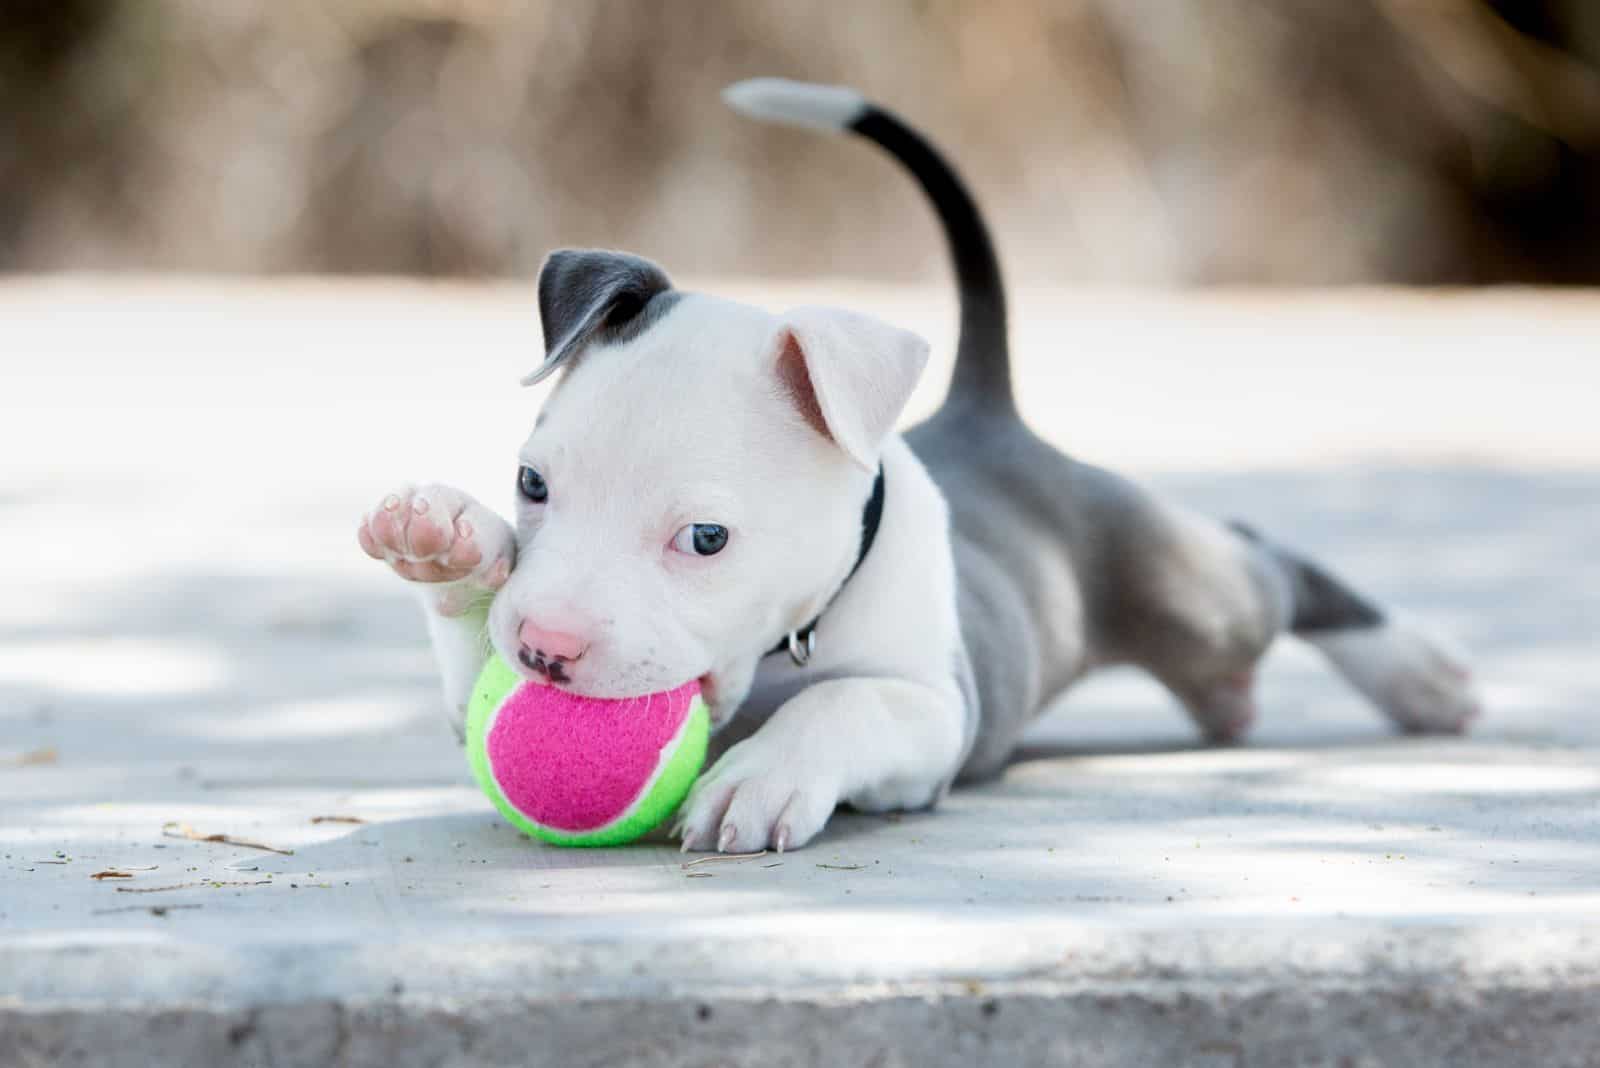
(1132, 142)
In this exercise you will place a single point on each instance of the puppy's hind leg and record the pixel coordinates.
(1197, 608)
(1417, 680)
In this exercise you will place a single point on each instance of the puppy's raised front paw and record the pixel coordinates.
(439, 535)
(757, 798)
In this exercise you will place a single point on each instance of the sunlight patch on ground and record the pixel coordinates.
(310, 718)
(1458, 778)
(119, 667)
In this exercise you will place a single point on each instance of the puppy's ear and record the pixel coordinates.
(849, 375)
(587, 293)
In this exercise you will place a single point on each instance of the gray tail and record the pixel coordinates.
(983, 364)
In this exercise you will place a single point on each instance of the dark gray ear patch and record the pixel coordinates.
(590, 295)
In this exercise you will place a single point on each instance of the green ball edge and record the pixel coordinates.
(671, 787)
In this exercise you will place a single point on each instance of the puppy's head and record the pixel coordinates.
(693, 488)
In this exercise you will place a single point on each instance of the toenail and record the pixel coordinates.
(390, 503)
(725, 841)
(463, 528)
(420, 505)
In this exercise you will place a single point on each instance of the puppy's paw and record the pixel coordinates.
(442, 537)
(1433, 692)
(1224, 709)
(757, 797)
(1422, 684)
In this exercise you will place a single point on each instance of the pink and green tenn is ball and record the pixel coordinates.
(583, 771)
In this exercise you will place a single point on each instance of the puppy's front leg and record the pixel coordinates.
(879, 742)
(455, 554)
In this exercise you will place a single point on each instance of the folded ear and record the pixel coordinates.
(585, 294)
(849, 375)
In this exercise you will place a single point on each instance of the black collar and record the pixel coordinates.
(799, 643)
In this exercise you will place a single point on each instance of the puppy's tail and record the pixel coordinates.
(983, 367)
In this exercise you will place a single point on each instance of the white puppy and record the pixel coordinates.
(716, 492)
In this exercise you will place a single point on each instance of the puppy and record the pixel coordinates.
(716, 492)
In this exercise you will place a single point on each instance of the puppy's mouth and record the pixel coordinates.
(557, 671)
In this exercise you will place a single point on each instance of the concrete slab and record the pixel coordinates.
(191, 637)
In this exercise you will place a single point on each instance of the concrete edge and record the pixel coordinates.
(1165, 1023)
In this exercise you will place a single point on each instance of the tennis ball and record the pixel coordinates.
(583, 771)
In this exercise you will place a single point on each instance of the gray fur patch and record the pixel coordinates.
(1321, 602)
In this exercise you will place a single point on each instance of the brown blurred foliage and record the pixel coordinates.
(1141, 141)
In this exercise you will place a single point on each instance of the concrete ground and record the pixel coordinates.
(192, 642)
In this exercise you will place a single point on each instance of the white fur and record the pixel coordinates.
(822, 107)
(862, 371)
(689, 422)
(457, 612)
(886, 730)
(1413, 676)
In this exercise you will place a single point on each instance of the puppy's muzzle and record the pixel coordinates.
(549, 652)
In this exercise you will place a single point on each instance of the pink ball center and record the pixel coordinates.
(577, 763)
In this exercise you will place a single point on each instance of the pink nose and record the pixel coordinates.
(551, 644)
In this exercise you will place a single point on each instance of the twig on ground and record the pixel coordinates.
(154, 910)
(111, 874)
(174, 829)
(213, 883)
(842, 867)
(723, 856)
(337, 819)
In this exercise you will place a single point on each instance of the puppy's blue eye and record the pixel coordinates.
(531, 485)
(702, 539)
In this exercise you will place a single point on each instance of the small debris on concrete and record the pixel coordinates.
(723, 856)
(215, 884)
(174, 829)
(34, 758)
(111, 874)
(843, 867)
(337, 819)
(154, 910)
